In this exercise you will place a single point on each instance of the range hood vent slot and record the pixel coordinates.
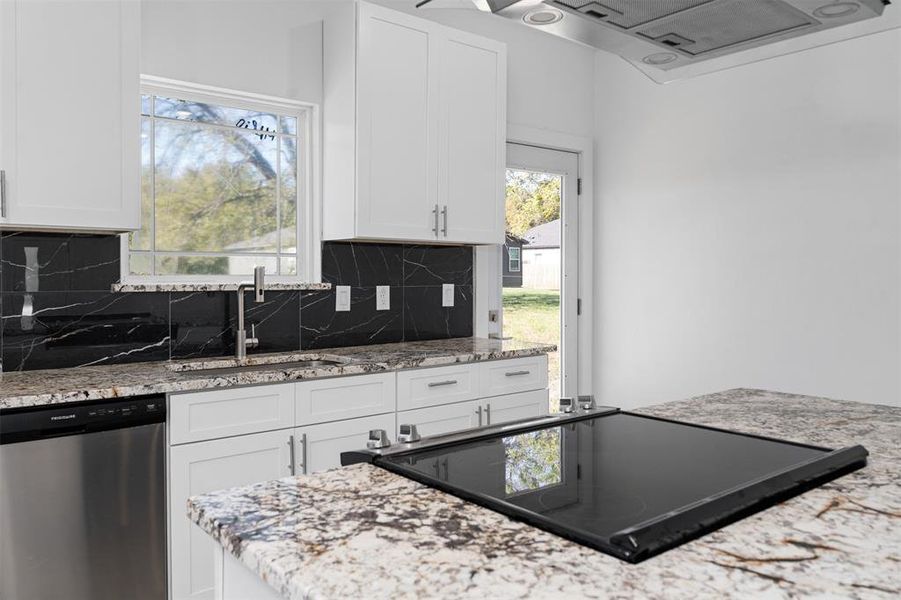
(629, 13)
(725, 23)
(666, 39)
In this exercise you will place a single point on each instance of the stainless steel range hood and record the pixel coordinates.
(669, 39)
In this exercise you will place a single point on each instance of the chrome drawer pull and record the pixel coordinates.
(517, 373)
(435, 384)
(479, 412)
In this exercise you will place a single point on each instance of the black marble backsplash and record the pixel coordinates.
(68, 317)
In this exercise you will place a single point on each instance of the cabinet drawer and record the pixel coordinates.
(222, 413)
(510, 376)
(321, 401)
(432, 387)
(513, 407)
(438, 420)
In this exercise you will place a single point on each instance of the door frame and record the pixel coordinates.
(488, 258)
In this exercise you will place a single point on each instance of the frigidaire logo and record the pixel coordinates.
(62, 417)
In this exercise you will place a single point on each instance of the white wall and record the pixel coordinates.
(748, 228)
(271, 47)
(550, 81)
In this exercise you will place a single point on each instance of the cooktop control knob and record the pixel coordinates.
(567, 405)
(408, 434)
(378, 438)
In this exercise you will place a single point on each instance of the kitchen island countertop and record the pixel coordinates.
(361, 531)
(78, 384)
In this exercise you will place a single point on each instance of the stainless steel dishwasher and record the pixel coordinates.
(83, 501)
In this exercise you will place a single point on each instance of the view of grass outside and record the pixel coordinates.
(532, 284)
(534, 316)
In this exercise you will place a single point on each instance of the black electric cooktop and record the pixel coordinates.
(626, 484)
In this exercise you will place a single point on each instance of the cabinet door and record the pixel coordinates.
(71, 114)
(319, 447)
(204, 467)
(438, 420)
(397, 109)
(472, 140)
(513, 407)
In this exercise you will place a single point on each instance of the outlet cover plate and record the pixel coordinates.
(383, 297)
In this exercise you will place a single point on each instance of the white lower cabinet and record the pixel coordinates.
(319, 447)
(204, 467)
(513, 407)
(239, 436)
(438, 420)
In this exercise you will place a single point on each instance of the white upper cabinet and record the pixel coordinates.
(416, 112)
(70, 114)
(472, 152)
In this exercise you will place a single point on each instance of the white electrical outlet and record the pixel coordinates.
(447, 295)
(342, 298)
(383, 297)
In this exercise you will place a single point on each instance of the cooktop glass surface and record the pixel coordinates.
(600, 476)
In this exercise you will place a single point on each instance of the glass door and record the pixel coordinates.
(540, 257)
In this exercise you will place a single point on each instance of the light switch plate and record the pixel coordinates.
(383, 297)
(447, 295)
(342, 298)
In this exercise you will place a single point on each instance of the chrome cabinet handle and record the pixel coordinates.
(444, 214)
(516, 373)
(292, 468)
(435, 384)
(2, 193)
(479, 412)
(303, 453)
(488, 413)
(435, 212)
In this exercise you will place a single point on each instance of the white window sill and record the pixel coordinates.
(212, 287)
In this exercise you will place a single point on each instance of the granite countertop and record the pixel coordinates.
(59, 386)
(361, 531)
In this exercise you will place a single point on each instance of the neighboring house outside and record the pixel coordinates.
(541, 257)
(244, 265)
(512, 261)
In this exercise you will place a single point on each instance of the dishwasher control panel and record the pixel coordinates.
(40, 422)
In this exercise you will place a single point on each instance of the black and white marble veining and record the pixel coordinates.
(322, 327)
(63, 262)
(363, 265)
(133, 288)
(204, 324)
(82, 328)
(77, 320)
(58, 386)
(363, 532)
(436, 265)
(426, 319)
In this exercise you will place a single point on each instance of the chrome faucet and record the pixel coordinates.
(242, 342)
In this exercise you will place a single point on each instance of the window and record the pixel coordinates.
(513, 259)
(224, 186)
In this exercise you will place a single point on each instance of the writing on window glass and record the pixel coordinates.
(252, 124)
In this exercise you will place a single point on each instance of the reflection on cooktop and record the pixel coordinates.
(601, 479)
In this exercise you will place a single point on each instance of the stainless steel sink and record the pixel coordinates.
(260, 363)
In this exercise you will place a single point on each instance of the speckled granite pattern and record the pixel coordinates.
(57, 386)
(363, 532)
(211, 287)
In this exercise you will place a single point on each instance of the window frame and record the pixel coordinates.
(309, 231)
(518, 259)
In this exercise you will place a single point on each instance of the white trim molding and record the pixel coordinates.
(309, 226)
(488, 267)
